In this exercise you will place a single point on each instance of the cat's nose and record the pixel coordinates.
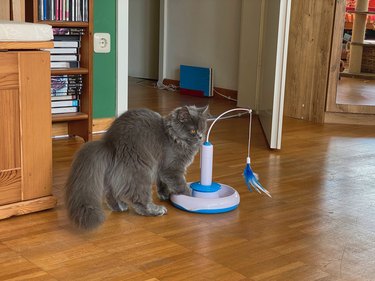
(200, 136)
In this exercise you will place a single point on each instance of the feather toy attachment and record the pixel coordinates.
(252, 181)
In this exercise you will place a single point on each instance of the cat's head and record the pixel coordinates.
(188, 124)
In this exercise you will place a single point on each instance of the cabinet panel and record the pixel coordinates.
(8, 65)
(9, 129)
(10, 186)
(35, 124)
(10, 148)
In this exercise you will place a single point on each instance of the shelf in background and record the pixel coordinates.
(65, 23)
(367, 43)
(361, 13)
(349, 26)
(64, 117)
(368, 76)
(61, 71)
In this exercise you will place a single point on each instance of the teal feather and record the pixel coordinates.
(252, 181)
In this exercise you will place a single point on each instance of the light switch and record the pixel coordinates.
(102, 42)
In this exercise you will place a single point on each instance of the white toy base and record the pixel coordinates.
(224, 200)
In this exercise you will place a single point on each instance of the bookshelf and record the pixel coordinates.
(78, 123)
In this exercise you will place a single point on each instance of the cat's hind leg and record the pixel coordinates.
(141, 201)
(115, 205)
(136, 190)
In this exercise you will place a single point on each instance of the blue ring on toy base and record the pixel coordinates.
(228, 200)
(197, 186)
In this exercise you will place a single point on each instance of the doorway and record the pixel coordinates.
(144, 18)
(351, 87)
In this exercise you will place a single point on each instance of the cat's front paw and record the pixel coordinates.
(185, 190)
(163, 196)
(161, 211)
(156, 210)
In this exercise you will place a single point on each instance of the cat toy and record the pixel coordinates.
(211, 197)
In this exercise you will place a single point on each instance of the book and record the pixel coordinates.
(67, 109)
(66, 44)
(67, 38)
(64, 103)
(63, 51)
(64, 57)
(41, 10)
(45, 10)
(66, 85)
(65, 64)
(68, 31)
(67, 10)
(69, 77)
(64, 97)
(61, 9)
(69, 92)
(85, 16)
(196, 81)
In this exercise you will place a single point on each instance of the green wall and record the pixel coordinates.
(104, 76)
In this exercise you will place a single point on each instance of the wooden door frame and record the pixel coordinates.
(342, 113)
(122, 60)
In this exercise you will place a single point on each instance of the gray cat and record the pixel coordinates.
(139, 149)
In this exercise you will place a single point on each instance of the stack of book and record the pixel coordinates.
(65, 93)
(67, 42)
(63, 10)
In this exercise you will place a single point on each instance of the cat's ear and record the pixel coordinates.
(204, 110)
(183, 114)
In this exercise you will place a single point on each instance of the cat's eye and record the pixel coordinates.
(193, 132)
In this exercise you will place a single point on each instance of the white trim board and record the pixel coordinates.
(162, 39)
(122, 62)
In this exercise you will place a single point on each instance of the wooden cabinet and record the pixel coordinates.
(80, 123)
(25, 129)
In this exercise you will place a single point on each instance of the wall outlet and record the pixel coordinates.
(102, 42)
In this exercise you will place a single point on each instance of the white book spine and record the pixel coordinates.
(63, 44)
(63, 103)
(69, 109)
(63, 51)
(64, 58)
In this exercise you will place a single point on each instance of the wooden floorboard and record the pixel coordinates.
(356, 91)
(318, 225)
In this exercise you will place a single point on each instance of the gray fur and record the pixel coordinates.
(139, 149)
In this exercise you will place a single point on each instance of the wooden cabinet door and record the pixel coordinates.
(25, 126)
(10, 147)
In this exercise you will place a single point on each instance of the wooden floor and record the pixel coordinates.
(319, 224)
(356, 91)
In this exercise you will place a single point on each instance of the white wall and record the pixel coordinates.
(204, 33)
(144, 38)
(249, 53)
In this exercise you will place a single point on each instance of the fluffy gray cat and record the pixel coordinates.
(139, 149)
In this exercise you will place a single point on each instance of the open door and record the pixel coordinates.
(262, 65)
(272, 72)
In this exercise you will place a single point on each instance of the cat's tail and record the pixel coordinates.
(84, 187)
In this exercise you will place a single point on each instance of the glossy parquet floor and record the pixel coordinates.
(355, 91)
(319, 224)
